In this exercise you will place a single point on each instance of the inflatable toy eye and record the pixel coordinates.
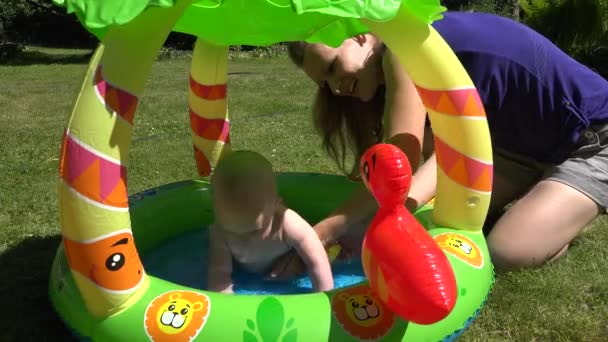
(184, 311)
(355, 305)
(366, 170)
(115, 262)
(369, 302)
(171, 307)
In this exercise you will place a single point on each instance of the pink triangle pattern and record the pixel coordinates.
(446, 157)
(465, 102)
(111, 175)
(115, 99)
(91, 175)
(474, 169)
(430, 98)
(79, 159)
(477, 176)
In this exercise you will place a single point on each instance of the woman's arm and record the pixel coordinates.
(424, 184)
(219, 265)
(404, 120)
(299, 234)
(356, 209)
(404, 115)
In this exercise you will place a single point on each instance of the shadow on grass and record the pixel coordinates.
(28, 314)
(34, 57)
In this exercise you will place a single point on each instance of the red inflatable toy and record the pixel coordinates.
(402, 262)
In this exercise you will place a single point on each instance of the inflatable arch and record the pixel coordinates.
(98, 284)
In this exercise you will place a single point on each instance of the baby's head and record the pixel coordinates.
(244, 192)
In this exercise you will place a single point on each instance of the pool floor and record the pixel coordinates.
(183, 260)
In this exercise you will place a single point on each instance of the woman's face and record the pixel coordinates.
(352, 69)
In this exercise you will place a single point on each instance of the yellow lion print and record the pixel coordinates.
(461, 247)
(361, 314)
(456, 243)
(363, 310)
(177, 316)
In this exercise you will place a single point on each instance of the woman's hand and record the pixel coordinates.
(357, 208)
(291, 265)
(424, 184)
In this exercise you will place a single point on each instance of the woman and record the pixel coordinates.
(548, 119)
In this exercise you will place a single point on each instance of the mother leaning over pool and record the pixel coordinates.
(547, 114)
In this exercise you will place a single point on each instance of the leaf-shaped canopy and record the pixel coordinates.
(256, 22)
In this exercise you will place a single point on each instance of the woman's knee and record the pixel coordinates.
(505, 256)
(539, 226)
(560, 254)
(509, 254)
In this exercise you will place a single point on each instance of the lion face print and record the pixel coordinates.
(361, 314)
(461, 247)
(177, 316)
(363, 308)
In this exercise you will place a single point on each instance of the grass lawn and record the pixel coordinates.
(269, 106)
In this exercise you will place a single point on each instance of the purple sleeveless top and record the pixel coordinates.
(538, 99)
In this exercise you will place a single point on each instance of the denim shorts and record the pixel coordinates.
(585, 169)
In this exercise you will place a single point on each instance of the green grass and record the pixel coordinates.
(269, 106)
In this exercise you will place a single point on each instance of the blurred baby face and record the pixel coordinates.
(245, 209)
(352, 69)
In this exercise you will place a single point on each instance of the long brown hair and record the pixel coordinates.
(344, 122)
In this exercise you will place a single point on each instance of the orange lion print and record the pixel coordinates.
(361, 314)
(176, 316)
(461, 247)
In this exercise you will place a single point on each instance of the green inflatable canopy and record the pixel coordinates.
(256, 22)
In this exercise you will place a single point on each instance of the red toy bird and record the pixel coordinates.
(403, 263)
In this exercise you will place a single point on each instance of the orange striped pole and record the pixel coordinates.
(208, 105)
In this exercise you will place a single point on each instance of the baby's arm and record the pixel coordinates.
(299, 234)
(219, 268)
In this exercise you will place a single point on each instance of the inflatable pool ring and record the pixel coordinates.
(98, 284)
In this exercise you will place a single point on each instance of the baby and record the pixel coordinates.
(253, 227)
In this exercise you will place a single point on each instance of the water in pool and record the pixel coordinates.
(183, 260)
